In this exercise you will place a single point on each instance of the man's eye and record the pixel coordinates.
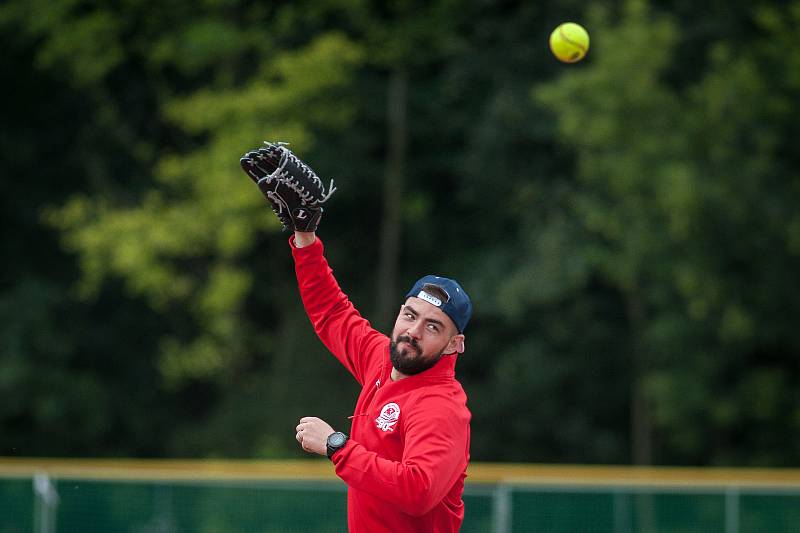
(433, 327)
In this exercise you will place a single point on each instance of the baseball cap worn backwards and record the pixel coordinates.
(457, 306)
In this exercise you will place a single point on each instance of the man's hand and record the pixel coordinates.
(312, 434)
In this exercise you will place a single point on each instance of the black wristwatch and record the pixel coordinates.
(336, 441)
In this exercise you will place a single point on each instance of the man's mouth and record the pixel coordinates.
(408, 342)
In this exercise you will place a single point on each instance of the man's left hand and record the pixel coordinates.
(312, 434)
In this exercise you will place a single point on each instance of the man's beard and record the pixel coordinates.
(406, 364)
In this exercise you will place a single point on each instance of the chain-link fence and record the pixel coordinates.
(69, 502)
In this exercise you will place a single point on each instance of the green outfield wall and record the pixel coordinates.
(138, 496)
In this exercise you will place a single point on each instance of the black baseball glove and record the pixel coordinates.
(294, 191)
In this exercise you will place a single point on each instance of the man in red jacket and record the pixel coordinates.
(406, 457)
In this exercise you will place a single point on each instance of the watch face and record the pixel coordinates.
(337, 439)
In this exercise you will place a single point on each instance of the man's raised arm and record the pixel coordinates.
(296, 195)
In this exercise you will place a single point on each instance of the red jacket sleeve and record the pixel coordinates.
(435, 454)
(339, 326)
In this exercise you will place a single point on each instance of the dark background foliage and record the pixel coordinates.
(627, 226)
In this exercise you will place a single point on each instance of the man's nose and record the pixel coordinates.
(414, 331)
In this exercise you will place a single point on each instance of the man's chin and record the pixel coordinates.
(404, 357)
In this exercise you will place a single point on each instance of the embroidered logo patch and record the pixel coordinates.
(388, 417)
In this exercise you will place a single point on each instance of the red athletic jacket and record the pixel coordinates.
(407, 456)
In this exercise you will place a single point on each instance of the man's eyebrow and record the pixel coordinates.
(410, 309)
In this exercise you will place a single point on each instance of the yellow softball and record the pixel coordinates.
(569, 42)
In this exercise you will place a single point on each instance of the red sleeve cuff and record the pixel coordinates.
(342, 452)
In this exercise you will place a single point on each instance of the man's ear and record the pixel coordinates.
(458, 343)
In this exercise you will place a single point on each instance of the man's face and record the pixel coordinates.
(422, 334)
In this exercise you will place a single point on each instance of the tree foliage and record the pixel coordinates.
(627, 226)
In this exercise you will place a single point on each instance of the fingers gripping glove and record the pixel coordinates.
(294, 191)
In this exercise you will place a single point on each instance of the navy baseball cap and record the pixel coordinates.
(457, 306)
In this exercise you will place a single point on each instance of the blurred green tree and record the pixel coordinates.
(629, 233)
(685, 194)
